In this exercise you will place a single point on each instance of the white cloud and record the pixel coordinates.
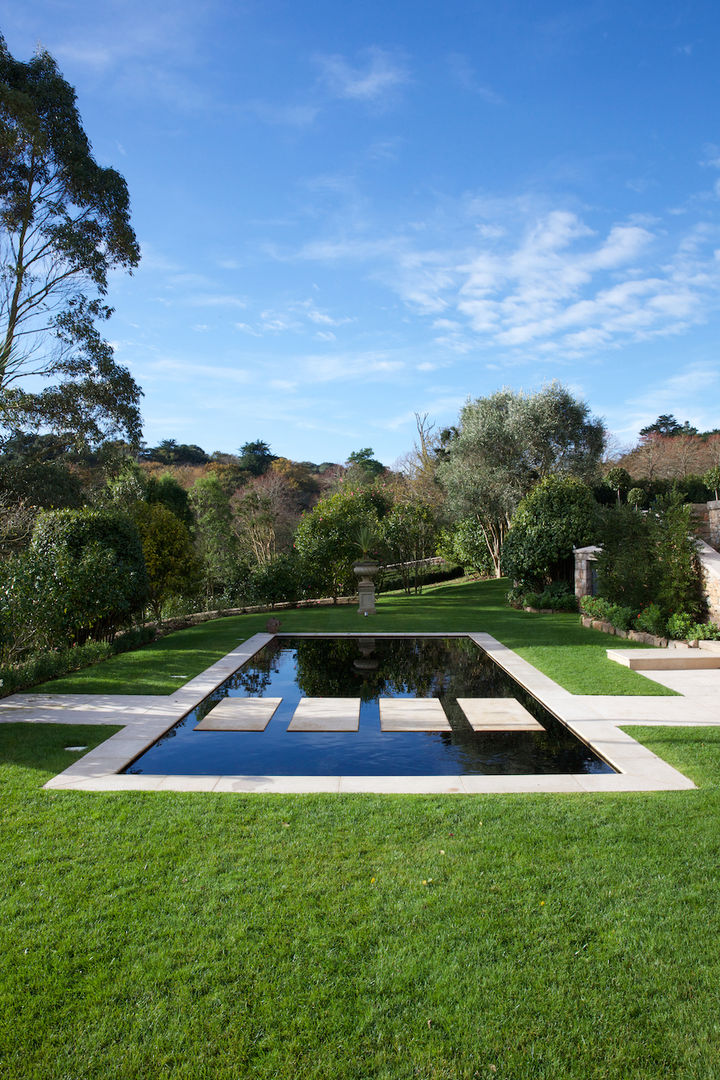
(464, 74)
(370, 81)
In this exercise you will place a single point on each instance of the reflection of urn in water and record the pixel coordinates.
(366, 661)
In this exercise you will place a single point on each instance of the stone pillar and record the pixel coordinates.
(585, 559)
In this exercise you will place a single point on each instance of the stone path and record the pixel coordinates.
(595, 720)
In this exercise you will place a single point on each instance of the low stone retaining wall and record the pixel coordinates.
(182, 622)
(628, 635)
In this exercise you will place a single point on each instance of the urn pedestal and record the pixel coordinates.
(365, 572)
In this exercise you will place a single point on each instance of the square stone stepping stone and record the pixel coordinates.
(412, 714)
(239, 714)
(326, 714)
(498, 714)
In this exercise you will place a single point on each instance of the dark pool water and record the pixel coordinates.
(445, 668)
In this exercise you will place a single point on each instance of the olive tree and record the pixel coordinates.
(508, 442)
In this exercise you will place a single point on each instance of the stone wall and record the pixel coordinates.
(713, 510)
(710, 566)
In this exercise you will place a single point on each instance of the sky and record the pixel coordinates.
(353, 213)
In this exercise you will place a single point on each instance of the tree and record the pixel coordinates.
(362, 467)
(264, 515)
(170, 452)
(410, 533)
(172, 568)
(215, 542)
(166, 490)
(505, 444)
(327, 538)
(667, 425)
(89, 574)
(64, 225)
(419, 466)
(651, 558)
(618, 479)
(712, 479)
(255, 457)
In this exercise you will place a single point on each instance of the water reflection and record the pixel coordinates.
(369, 668)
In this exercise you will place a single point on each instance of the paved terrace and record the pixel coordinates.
(598, 721)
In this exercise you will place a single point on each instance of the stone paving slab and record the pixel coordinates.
(412, 714)
(498, 714)
(240, 714)
(326, 714)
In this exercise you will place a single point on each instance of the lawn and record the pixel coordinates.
(556, 644)
(356, 937)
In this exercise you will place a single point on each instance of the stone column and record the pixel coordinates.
(584, 564)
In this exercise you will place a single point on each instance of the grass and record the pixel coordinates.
(556, 644)
(350, 937)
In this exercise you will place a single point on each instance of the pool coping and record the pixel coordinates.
(144, 718)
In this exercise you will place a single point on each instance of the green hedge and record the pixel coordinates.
(51, 665)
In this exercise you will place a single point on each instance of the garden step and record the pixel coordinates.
(665, 659)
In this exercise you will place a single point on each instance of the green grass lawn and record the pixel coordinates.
(357, 937)
(556, 644)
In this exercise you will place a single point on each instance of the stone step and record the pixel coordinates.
(665, 659)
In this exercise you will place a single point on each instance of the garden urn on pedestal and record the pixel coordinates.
(366, 570)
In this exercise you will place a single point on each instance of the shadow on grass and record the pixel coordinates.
(42, 746)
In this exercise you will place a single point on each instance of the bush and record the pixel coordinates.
(172, 566)
(597, 607)
(326, 539)
(466, 545)
(683, 627)
(276, 582)
(558, 600)
(560, 513)
(82, 577)
(651, 620)
(53, 664)
(531, 599)
(651, 558)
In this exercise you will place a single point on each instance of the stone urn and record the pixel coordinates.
(365, 570)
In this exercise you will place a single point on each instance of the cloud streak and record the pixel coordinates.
(377, 75)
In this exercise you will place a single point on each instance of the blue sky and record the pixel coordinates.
(352, 213)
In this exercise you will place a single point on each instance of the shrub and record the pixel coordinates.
(83, 576)
(559, 599)
(621, 617)
(277, 581)
(650, 558)
(53, 664)
(465, 544)
(560, 513)
(597, 607)
(651, 620)
(682, 626)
